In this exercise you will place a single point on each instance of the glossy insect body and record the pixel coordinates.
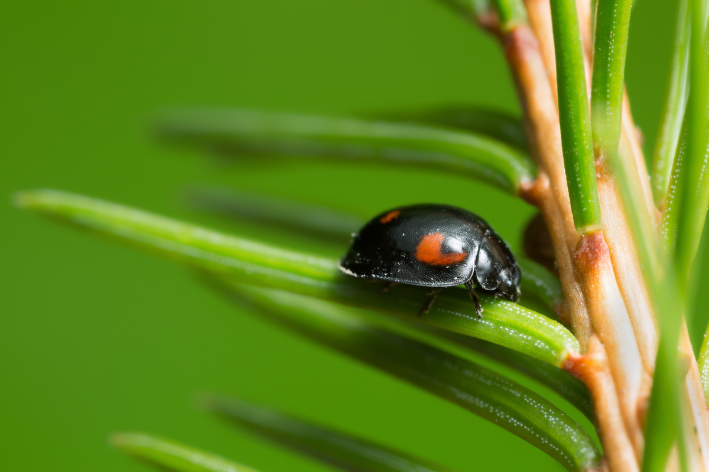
(434, 246)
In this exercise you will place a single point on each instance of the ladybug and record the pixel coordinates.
(434, 246)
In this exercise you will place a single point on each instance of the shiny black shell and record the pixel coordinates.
(433, 246)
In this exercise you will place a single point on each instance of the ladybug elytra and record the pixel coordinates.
(434, 246)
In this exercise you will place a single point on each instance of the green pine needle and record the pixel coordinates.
(318, 221)
(505, 323)
(574, 118)
(246, 132)
(341, 450)
(169, 455)
(462, 382)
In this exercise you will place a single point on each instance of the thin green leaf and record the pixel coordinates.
(673, 111)
(688, 198)
(607, 87)
(611, 42)
(536, 280)
(169, 455)
(558, 380)
(704, 365)
(554, 378)
(512, 13)
(661, 429)
(319, 221)
(472, 8)
(341, 450)
(664, 415)
(314, 220)
(594, 8)
(505, 323)
(251, 132)
(501, 126)
(664, 424)
(462, 382)
(575, 122)
(664, 418)
(473, 349)
(539, 282)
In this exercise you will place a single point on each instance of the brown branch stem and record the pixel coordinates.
(539, 15)
(588, 278)
(610, 309)
(575, 307)
(523, 54)
(619, 255)
(612, 323)
(593, 369)
(616, 230)
(617, 234)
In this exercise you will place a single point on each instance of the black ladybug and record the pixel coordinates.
(434, 246)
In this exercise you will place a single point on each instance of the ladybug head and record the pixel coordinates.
(509, 284)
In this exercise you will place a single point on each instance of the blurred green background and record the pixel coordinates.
(96, 338)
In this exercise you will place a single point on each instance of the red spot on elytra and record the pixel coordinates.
(429, 251)
(390, 216)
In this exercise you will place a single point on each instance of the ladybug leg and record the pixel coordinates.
(474, 296)
(432, 294)
(387, 286)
